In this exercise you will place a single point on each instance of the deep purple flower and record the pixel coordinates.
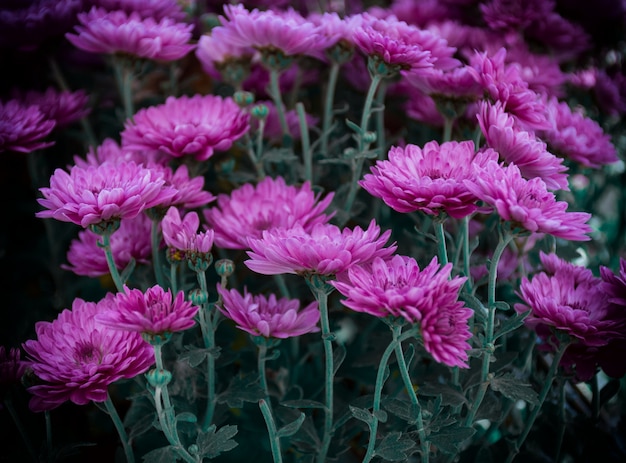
(23, 128)
(428, 297)
(249, 210)
(431, 180)
(12, 367)
(157, 9)
(187, 126)
(577, 137)
(458, 83)
(64, 107)
(182, 234)
(268, 316)
(565, 39)
(325, 250)
(154, 312)
(76, 359)
(520, 147)
(527, 203)
(94, 194)
(514, 15)
(130, 242)
(111, 32)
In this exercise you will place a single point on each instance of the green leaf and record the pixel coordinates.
(290, 429)
(450, 438)
(403, 409)
(395, 447)
(339, 355)
(362, 414)
(501, 305)
(511, 387)
(511, 324)
(187, 417)
(450, 395)
(212, 443)
(195, 356)
(471, 301)
(357, 129)
(304, 403)
(161, 455)
(279, 155)
(242, 389)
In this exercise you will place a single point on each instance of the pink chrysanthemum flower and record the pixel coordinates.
(189, 191)
(325, 250)
(398, 287)
(267, 316)
(110, 151)
(507, 15)
(527, 203)
(112, 32)
(154, 313)
(23, 128)
(566, 39)
(130, 242)
(568, 298)
(542, 72)
(269, 30)
(458, 83)
(157, 9)
(519, 147)
(182, 234)
(219, 56)
(76, 358)
(187, 126)
(249, 210)
(431, 180)
(108, 192)
(576, 137)
(64, 107)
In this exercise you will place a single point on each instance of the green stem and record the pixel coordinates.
(380, 120)
(167, 422)
(208, 334)
(271, 429)
(156, 254)
(278, 101)
(561, 432)
(261, 366)
(124, 80)
(328, 106)
(173, 277)
(466, 253)
(441, 240)
(447, 129)
(307, 156)
(542, 397)
(48, 434)
(20, 428)
(119, 426)
(115, 274)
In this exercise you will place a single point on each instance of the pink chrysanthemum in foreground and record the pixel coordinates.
(249, 210)
(153, 313)
(268, 316)
(76, 358)
(64, 106)
(325, 250)
(157, 9)
(108, 192)
(576, 137)
(527, 203)
(519, 147)
(112, 32)
(182, 234)
(187, 126)
(431, 180)
(398, 287)
(23, 128)
(130, 242)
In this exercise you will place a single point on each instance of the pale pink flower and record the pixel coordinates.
(268, 316)
(325, 250)
(249, 210)
(112, 32)
(187, 126)
(76, 359)
(23, 128)
(520, 147)
(527, 203)
(108, 192)
(182, 233)
(130, 242)
(431, 180)
(154, 312)
(428, 297)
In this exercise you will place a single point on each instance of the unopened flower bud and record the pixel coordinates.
(243, 98)
(158, 378)
(260, 111)
(224, 267)
(369, 137)
(198, 297)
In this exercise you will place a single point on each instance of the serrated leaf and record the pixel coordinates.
(511, 324)
(450, 395)
(450, 438)
(279, 155)
(290, 429)
(187, 417)
(242, 389)
(212, 444)
(395, 447)
(510, 387)
(402, 409)
(161, 455)
(304, 403)
(195, 356)
(362, 414)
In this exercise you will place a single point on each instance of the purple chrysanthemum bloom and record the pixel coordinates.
(130, 242)
(108, 192)
(527, 203)
(187, 126)
(76, 358)
(268, 316)
(189, 191)
(12, 367)
(64, 106)
(155, 313)
(23, 128)
(117, 32)
(519, 147)
(507, 15)
(542, 72)
(325, 250)
(157, 9)
(182, 234)
(220, 57)
(457, 84)
(615, 284)
(566, 39)
(110, 151)
(249, 210)
(577, 137)
(269, 31)
(398, 287)
(431, 180)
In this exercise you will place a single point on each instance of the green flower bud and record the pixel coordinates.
(158, 378)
